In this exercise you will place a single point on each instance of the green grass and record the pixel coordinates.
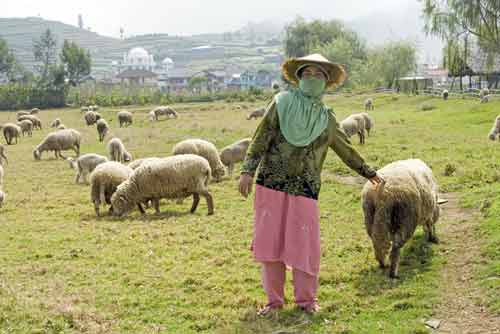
(62, 270)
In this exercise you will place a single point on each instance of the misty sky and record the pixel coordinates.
(185, 17)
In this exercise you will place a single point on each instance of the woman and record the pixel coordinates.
(289, 147)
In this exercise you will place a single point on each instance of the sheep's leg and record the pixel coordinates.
(62, 156)
(430, 232)
(141, 209)
(156, 205)
(230, 169)
(381, 243)
(196, 201)
(395, 252)
(77, 178)
(96, 208)
(56, 154)
(210, 202)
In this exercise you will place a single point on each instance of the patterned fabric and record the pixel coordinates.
(297, 170)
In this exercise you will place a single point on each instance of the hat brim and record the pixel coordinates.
(336, 73)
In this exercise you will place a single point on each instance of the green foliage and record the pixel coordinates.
(77, 62)
(44, 50)
(25, 96)
(393, 60)
(7, 59)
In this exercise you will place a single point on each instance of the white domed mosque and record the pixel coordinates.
(138, 59)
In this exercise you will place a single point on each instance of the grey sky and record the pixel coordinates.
(186, 17)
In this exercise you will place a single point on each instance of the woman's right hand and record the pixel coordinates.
(246, 181)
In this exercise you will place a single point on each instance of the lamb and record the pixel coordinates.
(26, 127)
(445, 94)
(369, 122)
(90, 118)
(495, 130)
(204, 149)
(117, 151)
(408, 197)
(234, 153)
(354, 124)
(124, 118)
(37, 123)
(256, 113)
(85, 165)
(11, 131)
(102, 129)
(175, 177)
(34, 111)
(55, 123)
(138, 162)
(104, 180)
(163, 110)
(61, 140)
(369, 104)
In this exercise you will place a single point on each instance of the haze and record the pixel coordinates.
(187, 17)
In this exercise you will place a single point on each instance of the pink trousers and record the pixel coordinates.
(273, 279)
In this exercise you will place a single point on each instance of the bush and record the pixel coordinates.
(20, 96)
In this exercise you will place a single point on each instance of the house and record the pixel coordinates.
(138, 77)
(178, 79)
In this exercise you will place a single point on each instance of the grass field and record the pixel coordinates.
(62, 270)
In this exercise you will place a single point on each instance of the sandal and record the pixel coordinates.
(311, 309)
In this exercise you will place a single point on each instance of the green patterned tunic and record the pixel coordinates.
(297, 170)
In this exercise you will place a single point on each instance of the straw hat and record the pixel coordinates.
(335, 73)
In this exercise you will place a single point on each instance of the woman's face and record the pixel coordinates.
(313, 72)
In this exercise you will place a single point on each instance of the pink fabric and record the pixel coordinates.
(305, 286)
(286, 229)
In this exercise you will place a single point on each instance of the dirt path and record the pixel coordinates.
(462, 309)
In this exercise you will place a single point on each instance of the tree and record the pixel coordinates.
(80, 21)
(393, 60)
(77, 62)
(196, 83)
(44, 50)
(7, 59)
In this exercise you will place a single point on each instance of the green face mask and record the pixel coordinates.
(312, 87)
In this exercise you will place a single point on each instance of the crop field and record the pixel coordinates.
(64, 270)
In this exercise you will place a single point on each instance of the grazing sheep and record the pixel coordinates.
(21, 114)
(354, 124)
(84, 109)
(138, 162)
(85, 165)
(117, 151)
(26, 127)
(2, 155)
(55, 123)
(163, 110)
(60, 140)
(104, 180)
(484, 92)
(102, 129)
(495, 130)
(61, 127)
(34, 111)
(174, 177)
(204, 149)
(369, 122)
(90, 118)
(408, 197)
(369, 104)
(257, 113)
(234, 153)
(445, 94)
(124, 118)
(485, 99)
(37, 123)
(11, 131)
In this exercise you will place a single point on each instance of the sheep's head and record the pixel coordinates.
(36, 154)
(219, 172)
(492, 136)
(119, 204)
(127, 156)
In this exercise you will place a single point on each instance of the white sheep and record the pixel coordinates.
(234, 153)
(204, 149)
(162, 110)
(34, 111)
(55, 123)
(117, 151)
(26, 127)
(393, 210)
(369, 104)
(125, 118)
(138, 162)
(61, 140)
(485, 99)
(495, 130)
(90, 117)
(11, 131)
(484, 92)
(256, 113)
(445, 94)
(369, 122)
(354, 124)
(22, 113)
(85, 164)
(95, 107)
(175, 177)
(37, 123)
(104, 180)
(102, 128)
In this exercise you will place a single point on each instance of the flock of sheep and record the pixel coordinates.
(407, 198)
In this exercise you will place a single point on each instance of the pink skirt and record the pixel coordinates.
(286, 229)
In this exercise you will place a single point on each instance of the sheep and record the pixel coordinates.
(61, 127)
(34, 111)
(485, 99)
(445, 94)
(484, 92)
(84, 109)
(354, 124)
(173, 177)
(117, 151)
(90, 118)
(124, 118)
(407, 198)
(152, 116)
(104, 180)
(102, 129)
(163, 110)
(26, 127)
(369, 122)
(94, 108)
(256, 113)
(495, 130)
(2, 155)
(234, 153)
(55, 123)
(37, 123)
(22, 113)
(11, 131)
(61, 140)
(369, 104)
(138, 162)
(204, 149)
(85, 165)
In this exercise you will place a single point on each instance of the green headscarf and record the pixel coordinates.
(302, 118)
